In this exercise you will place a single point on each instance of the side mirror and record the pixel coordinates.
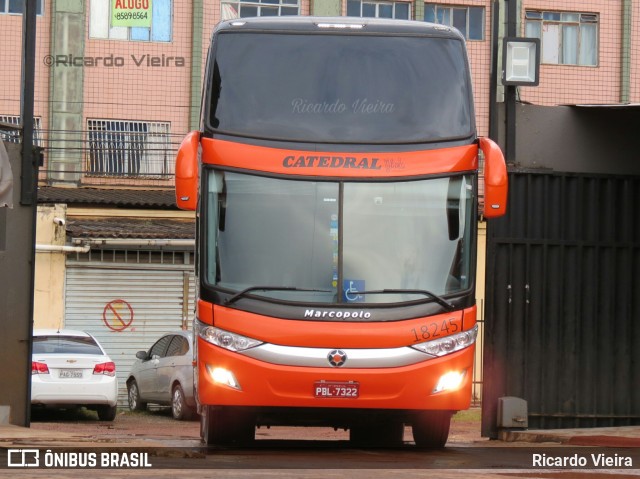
(141, 355)
(187, 172)
(495, 179)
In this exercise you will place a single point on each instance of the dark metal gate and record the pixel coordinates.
(563, 301)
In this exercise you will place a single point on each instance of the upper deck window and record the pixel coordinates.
(340, 88)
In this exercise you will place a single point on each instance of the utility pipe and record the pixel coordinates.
(51, 248)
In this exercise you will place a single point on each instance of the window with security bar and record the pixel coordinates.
(13, 136)
(567, 38)
(132, 149)
(468, 20)
(259, 8)
(17, 7)
(397, 10)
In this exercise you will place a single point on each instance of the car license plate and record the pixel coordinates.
(70, 373)
(336, 389)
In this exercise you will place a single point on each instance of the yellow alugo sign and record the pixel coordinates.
(131, 13)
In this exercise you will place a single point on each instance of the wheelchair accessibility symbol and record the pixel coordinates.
(351, 289)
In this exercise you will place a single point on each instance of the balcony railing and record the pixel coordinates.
(107, 153)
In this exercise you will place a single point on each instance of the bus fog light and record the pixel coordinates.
(450, 381)
(223, 376)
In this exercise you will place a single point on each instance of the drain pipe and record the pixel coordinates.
(141, 243)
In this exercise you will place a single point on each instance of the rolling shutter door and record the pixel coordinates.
(127, 308)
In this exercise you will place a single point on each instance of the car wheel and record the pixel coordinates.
(179, 408)
(133, 395)
(431, 429)
(223, 426)
(107, 413)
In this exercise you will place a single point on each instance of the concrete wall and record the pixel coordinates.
(66, 106)
(577, 139)
(50, 269)
(325, 8)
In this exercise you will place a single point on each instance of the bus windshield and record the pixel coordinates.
(327, 241)
(328, 88)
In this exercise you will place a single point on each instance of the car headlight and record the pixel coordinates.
(448, 344)
(226, 339)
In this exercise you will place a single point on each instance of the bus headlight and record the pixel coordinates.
(226, 339)
(448, 344)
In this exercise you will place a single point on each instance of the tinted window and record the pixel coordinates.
(179, 346)
(409, 235)
(65, 345)
(160, 347)
(348, 88)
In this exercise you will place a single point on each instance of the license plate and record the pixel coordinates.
(335, 389)
(70, 373)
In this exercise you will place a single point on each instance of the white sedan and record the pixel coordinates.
(70, 368)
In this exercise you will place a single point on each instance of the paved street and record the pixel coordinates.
(172, 448)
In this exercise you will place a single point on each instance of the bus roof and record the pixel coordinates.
(338, 24)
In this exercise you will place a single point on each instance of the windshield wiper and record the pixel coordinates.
(245, 291)
(438, 299)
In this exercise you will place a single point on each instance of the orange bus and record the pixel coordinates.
(335, 180)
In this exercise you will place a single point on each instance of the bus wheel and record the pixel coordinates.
(222, 426)
(383, 433)
(431, 429)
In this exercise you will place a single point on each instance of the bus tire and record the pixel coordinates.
(222, 426)
(431, 429)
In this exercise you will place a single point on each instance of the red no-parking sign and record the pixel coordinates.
(117, 315)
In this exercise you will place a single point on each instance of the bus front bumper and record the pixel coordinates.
(228, 378)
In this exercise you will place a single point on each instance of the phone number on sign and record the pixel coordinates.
(132, 15)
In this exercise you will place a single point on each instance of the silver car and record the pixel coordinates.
(164, 375)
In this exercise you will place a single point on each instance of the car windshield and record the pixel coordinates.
(339, 88)
(65, 345)
(339, 242)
